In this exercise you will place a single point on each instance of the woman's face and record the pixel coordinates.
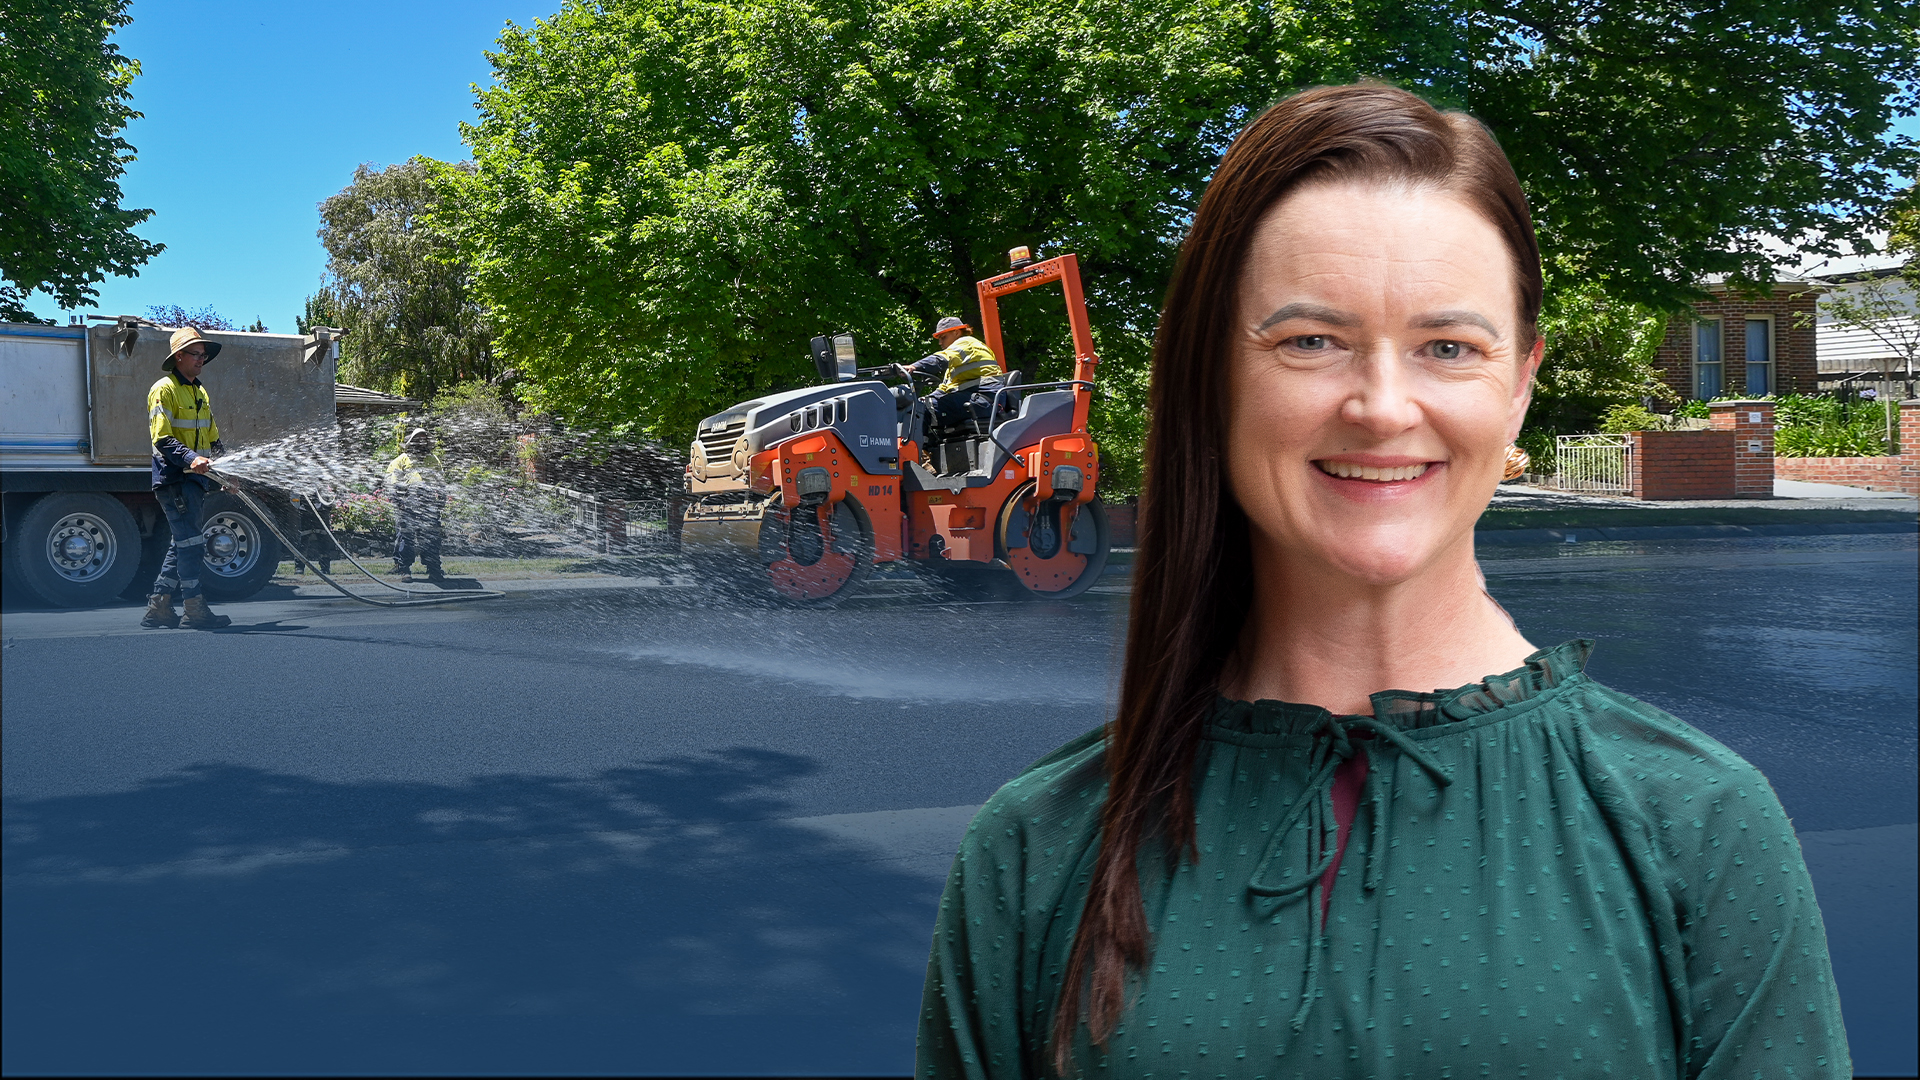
(1377, 378)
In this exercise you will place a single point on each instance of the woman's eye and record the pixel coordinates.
(1448, 350)
(1310, 342)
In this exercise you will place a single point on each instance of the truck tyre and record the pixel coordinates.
(75, 549)
(242, 556)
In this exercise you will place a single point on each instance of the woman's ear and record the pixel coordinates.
(1523, 391)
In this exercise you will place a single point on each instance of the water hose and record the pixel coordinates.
(449, 596)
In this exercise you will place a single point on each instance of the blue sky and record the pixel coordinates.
(255, 112)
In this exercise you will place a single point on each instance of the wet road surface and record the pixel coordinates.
(646, 830)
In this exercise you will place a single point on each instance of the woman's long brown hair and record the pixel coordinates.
(1193, 573)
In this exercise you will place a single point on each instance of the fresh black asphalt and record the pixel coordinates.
(650, 830)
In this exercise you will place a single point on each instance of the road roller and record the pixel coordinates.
(798, 495)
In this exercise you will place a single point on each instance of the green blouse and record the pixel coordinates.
(1545, 878)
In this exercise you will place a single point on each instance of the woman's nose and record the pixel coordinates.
(1380, 395)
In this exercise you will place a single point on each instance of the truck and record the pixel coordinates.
(79, 525)
(799, 494)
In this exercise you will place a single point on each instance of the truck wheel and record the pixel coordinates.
(75, 549)
(816, 559)
(1050, 558)
(241, 555)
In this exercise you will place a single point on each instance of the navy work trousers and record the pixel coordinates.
(417, 532)
(957, 408)
(186, 552)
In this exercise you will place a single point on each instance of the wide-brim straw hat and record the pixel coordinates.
(184, 337)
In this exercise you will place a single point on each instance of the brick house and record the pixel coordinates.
(1744, 346)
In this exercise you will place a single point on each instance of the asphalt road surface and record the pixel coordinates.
(645, 830)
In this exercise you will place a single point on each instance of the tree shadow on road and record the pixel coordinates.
(659, 917)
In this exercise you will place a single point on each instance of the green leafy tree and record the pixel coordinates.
(396, 284)
(671, 196)
(1599, 355)
(1903, 234)
(64, 92)
(1882, 305)
(1664, 140)
(320, 309)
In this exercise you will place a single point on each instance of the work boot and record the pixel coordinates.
(406, 577)
(160, 614)
(434, 575)
(200, 617)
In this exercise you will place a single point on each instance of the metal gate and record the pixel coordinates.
(1592, 463)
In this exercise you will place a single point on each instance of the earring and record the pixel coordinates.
(1517, 462)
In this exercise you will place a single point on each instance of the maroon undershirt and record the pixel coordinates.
(1348, 780)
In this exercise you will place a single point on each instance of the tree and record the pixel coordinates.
(671, 196)
(64, 90)
(1599, 355)
(395, 283)
(203, 319)
(1903, 235)
(1882, 305)
(1664, 140)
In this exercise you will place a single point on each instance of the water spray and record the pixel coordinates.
(448, 596)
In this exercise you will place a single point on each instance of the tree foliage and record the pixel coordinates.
(64, 92)
(1662, 141)
(396, 284)
(1903, 234)
(200, 318)
(1599, 354)
(671, 196)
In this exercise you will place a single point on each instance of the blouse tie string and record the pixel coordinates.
(1332, 745)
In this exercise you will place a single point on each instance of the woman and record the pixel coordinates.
(1274, 863)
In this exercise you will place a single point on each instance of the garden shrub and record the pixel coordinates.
(1620, 419)
(1818, 426)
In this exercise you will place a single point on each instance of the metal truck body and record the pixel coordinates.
(806, 490)
(77, 512)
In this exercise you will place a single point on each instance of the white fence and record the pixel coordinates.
(1593, 463)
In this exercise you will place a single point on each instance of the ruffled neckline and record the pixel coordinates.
(1408, 710)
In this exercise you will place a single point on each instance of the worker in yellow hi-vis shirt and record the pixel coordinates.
(418, 498)
(968, 373)
(180, 422)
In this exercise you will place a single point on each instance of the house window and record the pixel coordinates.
(1707, 379)
(1759, 357)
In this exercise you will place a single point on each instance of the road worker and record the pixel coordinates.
(968, 373)
(180, 421)
(417, 500)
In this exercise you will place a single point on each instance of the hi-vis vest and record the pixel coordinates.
(401, 471)
(183, 411)
(968, 361)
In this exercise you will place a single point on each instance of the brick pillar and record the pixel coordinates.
(1752, 425)
(1910, 447)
